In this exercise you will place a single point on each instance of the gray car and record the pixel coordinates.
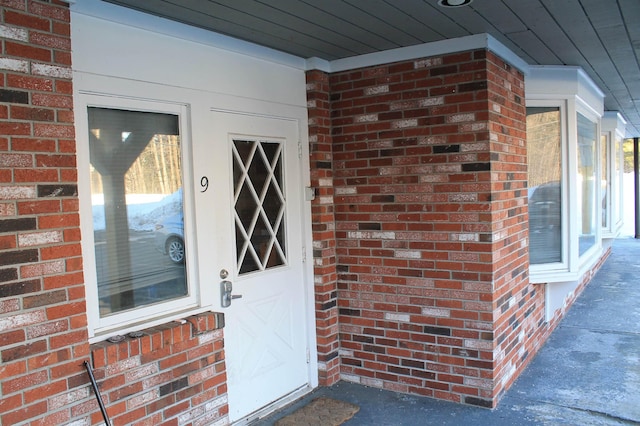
(169, 236)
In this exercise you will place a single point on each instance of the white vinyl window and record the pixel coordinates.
(565, 198)
(606, 182)
(587, 188)
(588, 185)
(617, 180)
(564, 241)
(137, 251)
(545, 165)
(548, 165)
(613, 127)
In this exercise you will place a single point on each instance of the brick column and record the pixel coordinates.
(518, 306)
(323, 223)
(43, 333)
(429, 162)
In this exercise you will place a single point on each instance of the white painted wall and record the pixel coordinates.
(123, 56)
(165, 52)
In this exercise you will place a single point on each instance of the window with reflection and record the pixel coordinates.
(137, 203)
(544, 157)
(605, 182)
(586, 185)
(618, 177)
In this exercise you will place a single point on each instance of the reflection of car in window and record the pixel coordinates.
(545, 243)
(544, 207)
(169, 237)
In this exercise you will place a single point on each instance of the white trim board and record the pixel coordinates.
(122, 15)
(442, 47)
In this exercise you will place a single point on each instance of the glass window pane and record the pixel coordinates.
(544, 157)
(604, 180)
(586, 182)
(136, 183)
(617, 176)
(259, 205)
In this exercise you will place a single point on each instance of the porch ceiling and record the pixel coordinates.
(601, 36)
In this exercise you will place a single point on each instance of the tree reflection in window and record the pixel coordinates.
(135, 165)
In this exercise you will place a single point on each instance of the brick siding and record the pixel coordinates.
(324, 237)
(428, 162)
(172, 374)
(43, 330)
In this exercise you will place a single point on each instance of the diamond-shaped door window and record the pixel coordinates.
(259, 204)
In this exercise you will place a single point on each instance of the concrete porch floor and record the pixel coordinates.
(587, 373)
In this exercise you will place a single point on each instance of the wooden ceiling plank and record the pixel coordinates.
(571, 18)
(611, 29)
(432, 17)
(300, 18)
(255, 29)
(400, 20)
(630, 12)
(239, 29)
(499, 15)
(540, 23)
(614, 61)
(371, 25)
(538, 51)
(332, 22)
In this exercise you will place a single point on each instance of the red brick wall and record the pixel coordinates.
(518, 306)
(324, 237)
(173, 374)
(429, 182)
(43, 334)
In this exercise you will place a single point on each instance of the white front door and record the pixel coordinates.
(265, 332)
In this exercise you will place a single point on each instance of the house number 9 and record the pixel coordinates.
(204, 183)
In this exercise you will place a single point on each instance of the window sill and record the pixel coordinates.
(539, 275)
(199, 323)
(552, 277)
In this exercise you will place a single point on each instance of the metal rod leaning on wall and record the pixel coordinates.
(103, 409)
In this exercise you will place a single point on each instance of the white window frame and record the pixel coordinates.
(572, 265)
(605, 142)
(619, 182)
(570, 88)
(550, 271)
(585, 261)
(613, 128)
(148, 315)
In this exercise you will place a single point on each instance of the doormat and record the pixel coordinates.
(320, 412)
